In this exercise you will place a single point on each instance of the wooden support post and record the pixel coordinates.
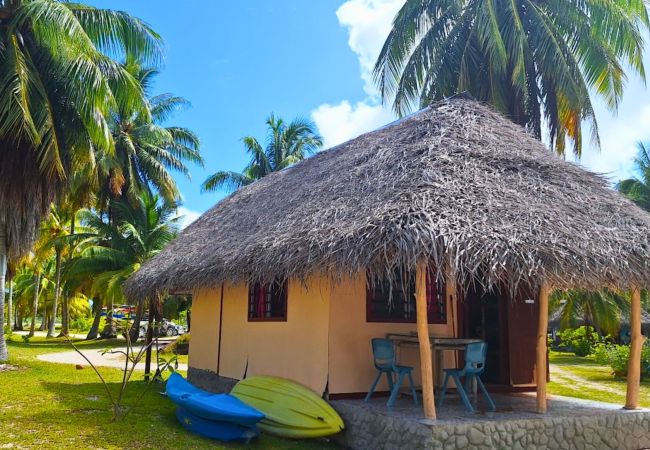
(450, 296)
(634, 363)
(542, 333)
(425, 343)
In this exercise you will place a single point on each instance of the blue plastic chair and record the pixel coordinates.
(474, 367)
(383, 353)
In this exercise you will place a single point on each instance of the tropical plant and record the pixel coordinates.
(145, 149)
(286, 144)
(115, 250)
(602, 309)
(638, 189)
(58, 80)
(582, 340)
(536, 61)
(618, 356)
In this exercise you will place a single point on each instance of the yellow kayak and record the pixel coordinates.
(291, 409)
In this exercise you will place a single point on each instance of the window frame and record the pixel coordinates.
(285, 290)
(371, 317)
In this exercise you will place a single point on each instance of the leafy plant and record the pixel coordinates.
(581, 340)
(132, 357)
(617, 357)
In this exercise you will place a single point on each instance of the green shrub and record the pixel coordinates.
(81, 323)
(581, 340)
(617, 356)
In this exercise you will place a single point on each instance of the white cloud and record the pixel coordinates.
(620, 132)
(186, 216)
(339, 123)
(368, 23)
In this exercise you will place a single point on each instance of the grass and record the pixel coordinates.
(45, 405)
(581, 377)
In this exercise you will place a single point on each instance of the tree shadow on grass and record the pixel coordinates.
(150, 424)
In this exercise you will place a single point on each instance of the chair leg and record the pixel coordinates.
(389, 378)
(415, 394)
(374, 385)
(469, 389)
(443, 390)
(462, 393)
(395, 390)
(486, 394)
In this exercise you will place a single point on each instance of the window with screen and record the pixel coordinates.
(395, 301)
(267, 302)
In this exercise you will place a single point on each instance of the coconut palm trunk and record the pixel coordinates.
(94, 329)
(10, 306)
(65, 312)
(4, 354)
(134, 332)
(37, 285)
(57, 292)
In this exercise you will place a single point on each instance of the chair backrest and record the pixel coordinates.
(475, 357)
(383, 353)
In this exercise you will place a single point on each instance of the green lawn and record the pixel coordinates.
(574, 376)
(44, 405)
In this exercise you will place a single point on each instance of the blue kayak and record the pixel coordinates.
(224, 431)
(206, 405)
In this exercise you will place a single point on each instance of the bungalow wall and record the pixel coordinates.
(296, 348)
(350, 357)
(324, 343)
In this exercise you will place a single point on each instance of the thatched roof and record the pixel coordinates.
(454, 180)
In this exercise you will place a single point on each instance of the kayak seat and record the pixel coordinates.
(385, 362)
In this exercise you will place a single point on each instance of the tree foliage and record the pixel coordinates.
(536, 61)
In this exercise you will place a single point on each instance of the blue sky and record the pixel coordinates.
(237, 62)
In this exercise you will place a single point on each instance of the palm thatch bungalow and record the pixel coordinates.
(291, 276)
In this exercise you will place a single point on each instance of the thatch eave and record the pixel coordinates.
(456, 182)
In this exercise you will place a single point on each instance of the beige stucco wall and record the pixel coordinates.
(325, 339)
(350, 355)
(296, 349)
(205, 330)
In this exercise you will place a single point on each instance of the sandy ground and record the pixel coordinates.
(97, 358)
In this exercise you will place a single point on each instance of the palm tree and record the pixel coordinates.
(145, 149)
(286, 144)
(638, 189)
(534, 60)
(58, 81)
(54, 230)
(602, 310)
(117, 249)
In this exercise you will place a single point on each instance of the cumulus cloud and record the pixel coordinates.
(368, 23)
(186, 216)
(339, 123)
(619, 136)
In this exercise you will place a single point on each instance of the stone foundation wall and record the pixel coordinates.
(617, 430)
(210, 381)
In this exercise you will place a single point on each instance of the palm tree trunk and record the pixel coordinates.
(57, 291)
(44, 318)
(94, 329)
(4, 353)
(134, 332)
(10, 306)
(65, 313)
(18, 324)
(37, 285)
